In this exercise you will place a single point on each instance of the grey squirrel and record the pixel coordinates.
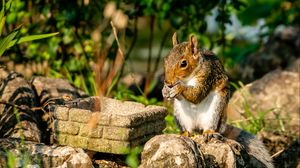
(197, 82)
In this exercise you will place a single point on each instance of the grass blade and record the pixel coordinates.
(31, 38)
(2, 10)
(4, 43)
(2, 22)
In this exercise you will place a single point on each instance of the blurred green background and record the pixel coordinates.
(100, 42)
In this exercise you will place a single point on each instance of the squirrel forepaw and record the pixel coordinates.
(175, 91)
(165, 91)
(210, 134)
(186, 134)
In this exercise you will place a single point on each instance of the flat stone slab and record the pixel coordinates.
(107, 125)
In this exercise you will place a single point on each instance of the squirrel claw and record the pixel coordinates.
(173, 93)
(209, 134)
(186, 134)
(175, 90)
(165, 91)
(235, 146)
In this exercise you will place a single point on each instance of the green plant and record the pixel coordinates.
(12, 38)
(22, 158)
(133, 157)
(171, 127)
(274, 12)
(86, 42)
(123, 93)
(254, 118)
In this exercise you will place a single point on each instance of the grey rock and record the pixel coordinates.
(285, 149)
(52, 91)
(276, 94)
(171, 151)
(178, 151)
(295, 66)
(31, 154)
(52, 88)
(18, 97)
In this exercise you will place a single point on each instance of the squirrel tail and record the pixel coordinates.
(253, 146)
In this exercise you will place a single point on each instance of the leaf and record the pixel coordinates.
(31, 38)
(2, 16)
(5, 42)
(8, 5)
(2, 10)
(113, 84)
(2, 22)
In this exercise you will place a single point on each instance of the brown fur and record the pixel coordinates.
(207, 70)
(202, 65)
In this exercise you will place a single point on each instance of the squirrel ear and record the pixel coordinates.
(193, 43)
(175, 39)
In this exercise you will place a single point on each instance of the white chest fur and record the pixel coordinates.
(197, 116)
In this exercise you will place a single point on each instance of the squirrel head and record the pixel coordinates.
(181, 61)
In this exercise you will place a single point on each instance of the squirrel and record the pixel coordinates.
(198, 83)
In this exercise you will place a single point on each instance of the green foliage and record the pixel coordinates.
(254, 119)
(275, 12)
(30, 38)
(123, 93)
(171, 127)
(79, 22)
(238, 52)
(132, 159)
(12, 38)
(11, 160)
(4, 42)
(84, 31)
(22, 159)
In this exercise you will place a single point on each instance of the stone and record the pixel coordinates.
(61, 138)
(51, 93)
(295, 66)
(119, 147)
(124, 133)
(102, 145)
(118, 125)
(142, 140)
(226, 153)
(103, 163)
(91, 103)
(290, 156)
(117, 133)
(285, 149)
(67, 127)
(30, 154)
(49, 88)
(87, 131)
(171, 150)
(79, 115)
(17, 119)
(76, 141)
(130, 113)
(276, 95)
(62, 113)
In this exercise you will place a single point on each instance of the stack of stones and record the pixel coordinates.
(107, 125)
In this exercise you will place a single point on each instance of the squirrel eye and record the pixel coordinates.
(183, 64)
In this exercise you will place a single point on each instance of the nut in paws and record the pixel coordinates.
(175, 91)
